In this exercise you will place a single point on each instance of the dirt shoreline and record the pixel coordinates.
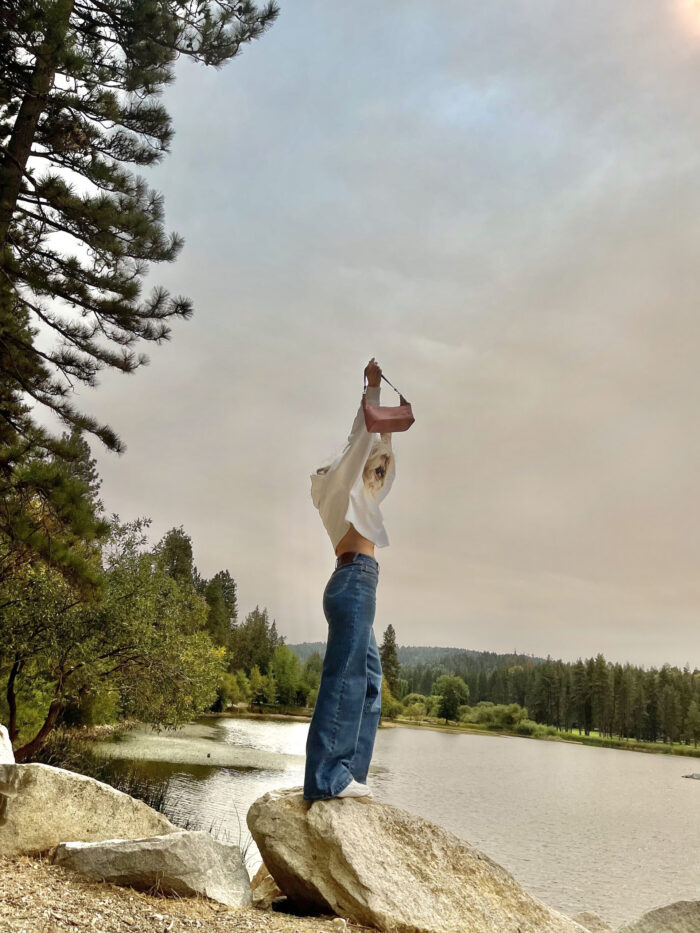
(38, 897)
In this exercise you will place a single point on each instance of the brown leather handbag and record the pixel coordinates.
(383, 419)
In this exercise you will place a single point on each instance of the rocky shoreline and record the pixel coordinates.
(75, 853)
(39, 897)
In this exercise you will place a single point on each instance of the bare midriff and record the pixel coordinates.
(352, 540)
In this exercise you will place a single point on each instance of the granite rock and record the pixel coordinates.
(375, 864)
(184, 863)
(41, 806)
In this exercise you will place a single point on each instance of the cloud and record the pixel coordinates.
(501, 205)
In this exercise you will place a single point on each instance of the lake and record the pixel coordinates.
(582, 828)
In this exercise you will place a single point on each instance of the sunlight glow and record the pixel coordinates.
(690, 13)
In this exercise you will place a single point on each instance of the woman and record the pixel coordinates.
(347, 494)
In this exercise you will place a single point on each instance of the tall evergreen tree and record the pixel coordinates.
(229, 594)
(253, 642)
(692, 723)
(175, 552)
(581, 697)
(390, 660)
(517, 684)
(50, 512)
(670, 713)
(220, 594)
(79, 104)
(601, 696)
(84, 466)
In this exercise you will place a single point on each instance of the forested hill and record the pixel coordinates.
(487, 660)
(451, 659)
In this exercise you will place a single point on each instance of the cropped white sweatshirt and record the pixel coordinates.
(340, 494)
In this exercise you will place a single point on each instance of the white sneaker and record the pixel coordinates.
(355, 789)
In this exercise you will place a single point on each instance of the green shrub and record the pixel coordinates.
(527, 727)
(493, 715)
(311, 698)
(413, 698)
(415, 711)
(233, 688)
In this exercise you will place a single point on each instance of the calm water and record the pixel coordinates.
(581, 828)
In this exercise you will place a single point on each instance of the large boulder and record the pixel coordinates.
(681, 917)
(41, 806)
(7, 756)
(378, 865)
(184, 863)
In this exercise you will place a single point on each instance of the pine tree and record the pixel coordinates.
(670, 713)
(229, 594)
(175, 552)
(691, 726)
(390, 660)
(220, 594)
(50, 512)
(581, 697)
(601, 695)
(79, 104)
(639, 707)
(254, 641)
(517, 681)
(652, 706)
(84, 466)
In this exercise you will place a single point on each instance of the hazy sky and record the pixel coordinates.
(501, 202)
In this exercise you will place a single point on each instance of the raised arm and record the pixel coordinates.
(351, 462)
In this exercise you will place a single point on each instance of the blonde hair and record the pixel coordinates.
(380, 454)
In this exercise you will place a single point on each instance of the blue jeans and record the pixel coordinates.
(341, 735)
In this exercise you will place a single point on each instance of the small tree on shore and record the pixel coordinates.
(453, 692)
(145, 638)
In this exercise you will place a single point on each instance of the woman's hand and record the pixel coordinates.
(373, 373)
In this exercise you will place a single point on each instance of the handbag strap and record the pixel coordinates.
(392, 386)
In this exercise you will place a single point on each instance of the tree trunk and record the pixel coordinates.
(34, 102)
(12, 698)
(25, 751)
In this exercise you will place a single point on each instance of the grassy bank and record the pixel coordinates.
(594, 738)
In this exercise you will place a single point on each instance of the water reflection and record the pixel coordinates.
(265, 734)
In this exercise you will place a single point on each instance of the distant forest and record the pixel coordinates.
(423, 654)
(659, 704)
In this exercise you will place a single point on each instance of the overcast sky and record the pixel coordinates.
(500, 202)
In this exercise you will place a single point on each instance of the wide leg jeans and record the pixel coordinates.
(344, 724)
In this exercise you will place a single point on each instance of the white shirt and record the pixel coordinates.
(340, 494)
